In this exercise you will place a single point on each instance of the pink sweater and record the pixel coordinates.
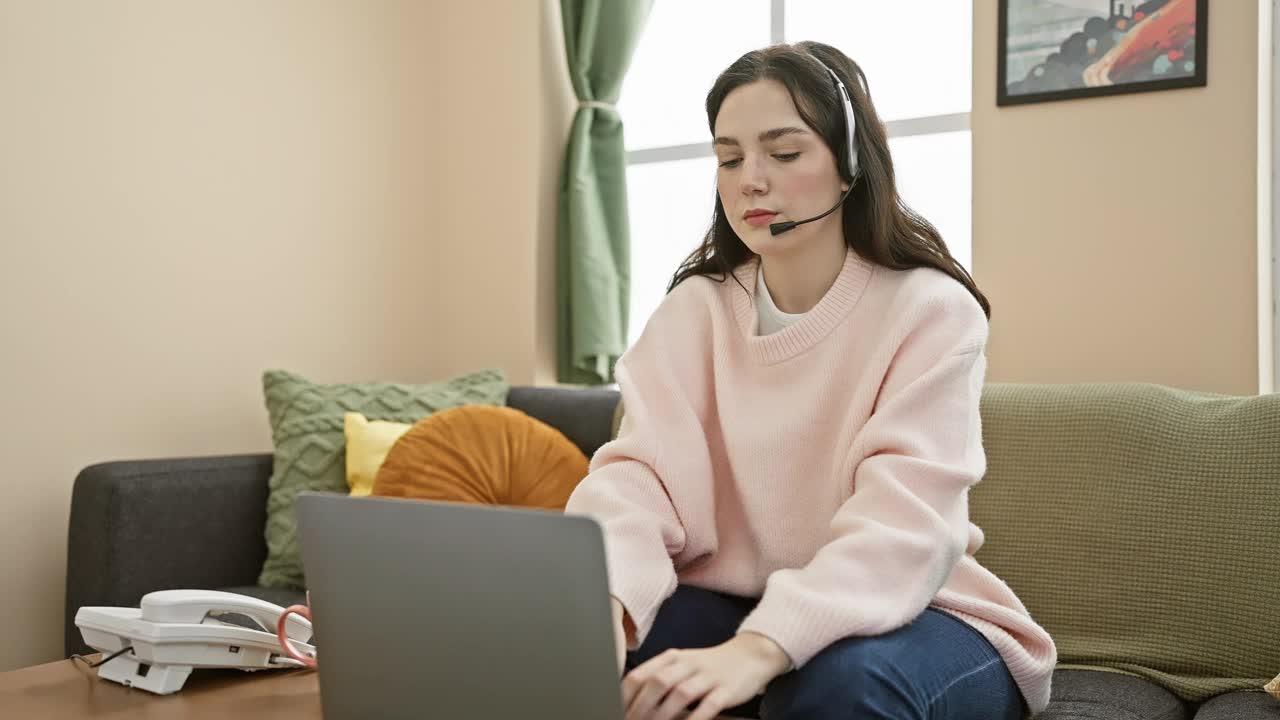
(824, 468)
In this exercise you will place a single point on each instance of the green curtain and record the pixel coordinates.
(593, 242)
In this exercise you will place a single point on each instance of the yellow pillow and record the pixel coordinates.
(368, 442)
(483, 454)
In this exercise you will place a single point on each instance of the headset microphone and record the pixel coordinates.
(852, 149)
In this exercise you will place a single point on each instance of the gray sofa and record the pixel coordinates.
(147, 525)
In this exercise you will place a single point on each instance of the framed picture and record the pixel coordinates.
(1063, 49)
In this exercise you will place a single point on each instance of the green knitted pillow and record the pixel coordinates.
(310, 447)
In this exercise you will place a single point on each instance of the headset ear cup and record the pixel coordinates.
(850, 123)
(851, 157)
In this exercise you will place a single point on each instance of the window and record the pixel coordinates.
(918, 61)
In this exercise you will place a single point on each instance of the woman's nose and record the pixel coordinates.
(752, 180)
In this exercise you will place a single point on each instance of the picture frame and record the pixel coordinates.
(1052, 50)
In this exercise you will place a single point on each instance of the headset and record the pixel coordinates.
(851, 149)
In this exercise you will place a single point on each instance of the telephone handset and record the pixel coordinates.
(156, 646)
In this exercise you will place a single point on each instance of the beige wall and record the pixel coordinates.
(191, 192)
(1116, 237)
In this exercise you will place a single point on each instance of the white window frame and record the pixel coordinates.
(907, 127)
(1268, 196)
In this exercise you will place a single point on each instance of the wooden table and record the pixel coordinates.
(70, 689)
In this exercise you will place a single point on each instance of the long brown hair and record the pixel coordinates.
(877, 224)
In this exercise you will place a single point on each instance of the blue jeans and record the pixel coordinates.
(936, 667)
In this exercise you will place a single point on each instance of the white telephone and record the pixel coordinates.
(155, 647)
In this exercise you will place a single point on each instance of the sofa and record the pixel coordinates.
(1103, 507)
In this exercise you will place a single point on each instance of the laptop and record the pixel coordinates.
(445, 610)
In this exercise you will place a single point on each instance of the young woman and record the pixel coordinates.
(786, 505)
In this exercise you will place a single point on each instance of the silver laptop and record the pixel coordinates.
(443, 610)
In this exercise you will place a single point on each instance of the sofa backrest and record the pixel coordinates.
(584, 415)
(1140, 525)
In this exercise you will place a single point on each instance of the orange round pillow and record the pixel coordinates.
(484, 454)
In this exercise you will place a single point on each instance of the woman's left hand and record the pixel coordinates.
(716, 678)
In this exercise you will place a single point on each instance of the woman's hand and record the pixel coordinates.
(715, 678)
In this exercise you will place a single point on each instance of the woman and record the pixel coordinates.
(785, 507)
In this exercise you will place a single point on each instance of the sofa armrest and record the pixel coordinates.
(139, 526)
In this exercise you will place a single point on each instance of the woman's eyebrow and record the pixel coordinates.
(765, 136)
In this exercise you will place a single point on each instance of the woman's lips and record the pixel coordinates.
(761, 218)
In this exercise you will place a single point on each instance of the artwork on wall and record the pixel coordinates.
(1062, 49)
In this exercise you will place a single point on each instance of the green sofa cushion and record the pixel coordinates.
(310, 447)
(1140, 525)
